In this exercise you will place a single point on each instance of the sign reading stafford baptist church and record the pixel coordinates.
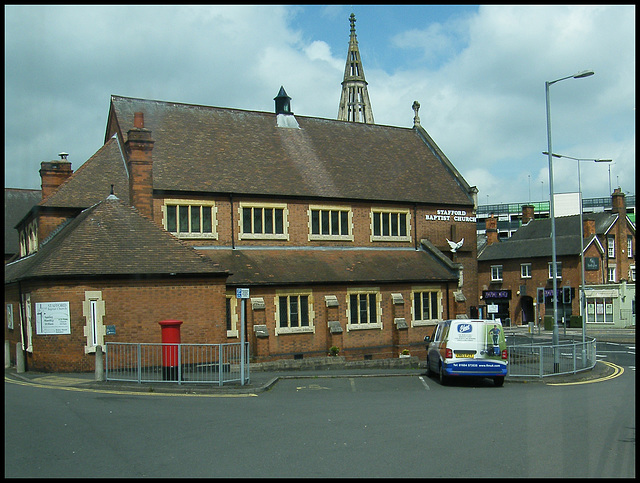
(447, 215)
(52, 318)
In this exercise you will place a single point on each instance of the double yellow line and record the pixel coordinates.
(130, 393)
(617, 371)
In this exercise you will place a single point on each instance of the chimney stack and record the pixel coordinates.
(138, 146)
(491, 230)
(53, 174)
(618, 204)
(527, 213)
(588, 228)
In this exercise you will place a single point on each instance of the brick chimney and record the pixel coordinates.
(53, 174)
(618, 204)
(527, 213)
(138, 146)
(492, 230)
(588, 228)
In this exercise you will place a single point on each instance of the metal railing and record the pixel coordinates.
(181, 363)
(545, 359)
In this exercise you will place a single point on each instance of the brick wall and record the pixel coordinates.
(436, 231)
(133, 307)
(377, 343)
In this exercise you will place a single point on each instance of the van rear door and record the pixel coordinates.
(464, 339)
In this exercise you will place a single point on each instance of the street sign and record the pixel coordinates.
(242, 293)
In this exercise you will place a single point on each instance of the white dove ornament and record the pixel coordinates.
(453, 245)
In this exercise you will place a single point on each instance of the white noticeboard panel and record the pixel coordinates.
(566, 204)
(52, 318)
(492, 308)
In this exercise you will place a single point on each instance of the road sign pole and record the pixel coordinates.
(243, 295)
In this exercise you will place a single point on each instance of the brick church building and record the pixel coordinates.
(347, 233)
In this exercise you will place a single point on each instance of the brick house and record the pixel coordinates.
(339, 229)
(109, 266)
(515, 278)
(346, 233)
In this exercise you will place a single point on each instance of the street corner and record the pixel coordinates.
(602, 371)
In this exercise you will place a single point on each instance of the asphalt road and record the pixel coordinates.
(404, 426)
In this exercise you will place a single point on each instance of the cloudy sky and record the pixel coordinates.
(478, 72)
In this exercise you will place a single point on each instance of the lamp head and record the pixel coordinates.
(584, 73)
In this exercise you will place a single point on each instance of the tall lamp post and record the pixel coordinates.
(547, 84)
(583, 300)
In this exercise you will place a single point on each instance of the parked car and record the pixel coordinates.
(467, 348)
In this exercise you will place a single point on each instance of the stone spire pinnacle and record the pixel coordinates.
(354, 100)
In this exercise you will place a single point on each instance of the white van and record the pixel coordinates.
(465, 347)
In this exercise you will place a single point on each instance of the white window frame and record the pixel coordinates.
(27, 319)
(93, 310)
(191, 205)
(558, 270)
(629, 247)
(390, 212)
(244, 234)
(496, 273)
(330, 210)
(299, 329)
(600, 310)
(417, 294)
(525, 270)
(611, 247)
(611, 274)
(367, 292)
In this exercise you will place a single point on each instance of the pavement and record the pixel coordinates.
(263, 380)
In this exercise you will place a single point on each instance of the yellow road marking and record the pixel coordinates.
(113, 391)
(59, 381)
(617, 371)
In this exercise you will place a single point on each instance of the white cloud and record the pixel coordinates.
(479, 77)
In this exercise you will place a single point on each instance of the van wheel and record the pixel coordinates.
(429, 371)
(498, 381)
(443, 379)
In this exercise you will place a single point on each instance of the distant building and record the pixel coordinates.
(509, 215)
(355, 105)
(515, 273)
(17, 203)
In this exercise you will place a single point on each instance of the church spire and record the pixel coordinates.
(354, 100)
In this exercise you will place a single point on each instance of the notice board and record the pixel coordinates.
(52, 318)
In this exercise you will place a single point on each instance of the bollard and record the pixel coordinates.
(19, 358)
(7, 354)
(99, 364)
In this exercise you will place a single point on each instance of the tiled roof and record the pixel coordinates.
(92, 181)
(534, 239)
(17, 203)
(330, 266)
(220, 150)
(111, 239)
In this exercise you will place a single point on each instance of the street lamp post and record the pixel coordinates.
(548, 84)
(583, 300)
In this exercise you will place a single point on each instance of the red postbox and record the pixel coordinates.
(170, 341)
